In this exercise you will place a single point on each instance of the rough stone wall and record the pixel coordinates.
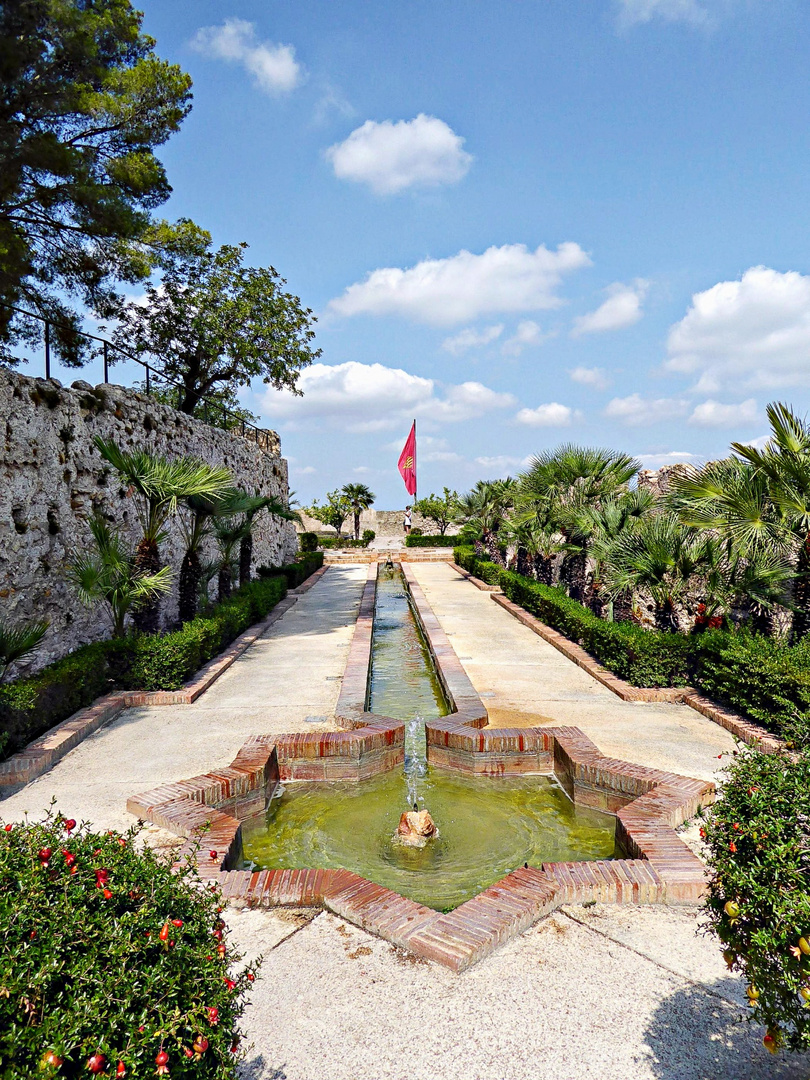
(383, 522)
(658, 481)
(52, 479)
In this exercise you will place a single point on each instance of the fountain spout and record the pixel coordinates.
(415, 828)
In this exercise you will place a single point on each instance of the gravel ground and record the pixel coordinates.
(603, 992)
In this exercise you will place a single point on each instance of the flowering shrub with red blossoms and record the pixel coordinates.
(758, 836)
(113, 964)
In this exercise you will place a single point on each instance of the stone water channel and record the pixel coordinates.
(487, 826)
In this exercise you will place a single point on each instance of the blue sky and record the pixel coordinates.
(522, 223)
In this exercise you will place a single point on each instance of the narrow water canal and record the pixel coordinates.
(487, 827)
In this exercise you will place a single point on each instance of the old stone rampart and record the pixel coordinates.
(52, 479)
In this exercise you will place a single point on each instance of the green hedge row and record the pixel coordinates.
(765, 680)
(419, 540)
(297, 572)
(30, 706)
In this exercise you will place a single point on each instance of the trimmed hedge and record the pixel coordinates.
(296, 572)
(430, 541)
(308, 541)
(764, 680)
(30, 706)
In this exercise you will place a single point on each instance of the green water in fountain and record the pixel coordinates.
(487, 827)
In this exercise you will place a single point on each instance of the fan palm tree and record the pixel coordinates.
(360, 498)
(784, 464)
(660, 556)
(557, 486)
(17, 642)
(603, 523)
(161, 485)
(110, 575)
(487, 507)
(254, 505)
(196, 529)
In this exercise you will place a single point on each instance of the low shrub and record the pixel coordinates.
(308, 541)
(758, 838)
(295, 573)
(367, 536)
(115, 965)
(430, 541)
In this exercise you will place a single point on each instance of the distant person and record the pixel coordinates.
(406, 523)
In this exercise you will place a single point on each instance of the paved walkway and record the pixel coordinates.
(290, 673)
(525, 681)
(614, 993)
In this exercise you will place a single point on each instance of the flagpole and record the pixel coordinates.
(415, 476)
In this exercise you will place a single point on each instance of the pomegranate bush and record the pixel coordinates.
(113, 964)
(758, 834)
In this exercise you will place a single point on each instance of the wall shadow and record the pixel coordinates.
(693, 1035)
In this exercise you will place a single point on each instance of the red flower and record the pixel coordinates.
(250, 976)
(70, 858)
(107, 894)
(96, 1063)
(121, 1070)
(162, 1062)
(44, 854)
(70, 824)
(230, 984)
(177, 922)
(732, 847)
(101, 878)
(213, 1014)
(188, 1051)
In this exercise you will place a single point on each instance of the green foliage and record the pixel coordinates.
(412, 541)
(442, 509)
(368, 536)
(765, 680)
(295, 573)
(758, 838)
(86, 104)
(17, 642)
(86, 971)
(213, 325)
(308, 541)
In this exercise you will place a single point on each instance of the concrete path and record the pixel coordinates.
(525, 681)
(290, 673)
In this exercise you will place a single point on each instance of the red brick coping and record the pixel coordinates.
(44, 752)
(649, 805)
(744, 730)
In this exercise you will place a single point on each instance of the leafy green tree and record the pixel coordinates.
(440, 509)
(109, 575)
(333, 512)
(17, 642)
(253, 506)
(360, 498)
(213, 324)
(160, 486)
(85, 103)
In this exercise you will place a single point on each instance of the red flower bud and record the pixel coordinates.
(161, 1058)
(44, 854)
(217, 934)
(732, 847)
(70, 858)
(213, 855)
(250, 976)
(107, 894)
(70, 824)
(213, 1014)
(96, 1063)
(230, 984)
(8, 827)
(177, 922)
(101, 878)
(188, 1051)
(164, 932)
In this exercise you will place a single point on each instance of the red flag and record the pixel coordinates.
(407, 462)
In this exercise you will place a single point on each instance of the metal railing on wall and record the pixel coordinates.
(214, 412)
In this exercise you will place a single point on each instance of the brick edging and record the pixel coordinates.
(43, 753)
(744, 730)
(477, 582)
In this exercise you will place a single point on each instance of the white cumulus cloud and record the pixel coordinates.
(470, 338)
(590, 376)
(273, 66)
(754, 332)
(636, 411)
(671, 457)
(528, 333)
(465, 287)
(633, 12)
(372, 397)
(622, 308)
(502, 463)
(714, 414)
(390, 157)
(551, 414)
